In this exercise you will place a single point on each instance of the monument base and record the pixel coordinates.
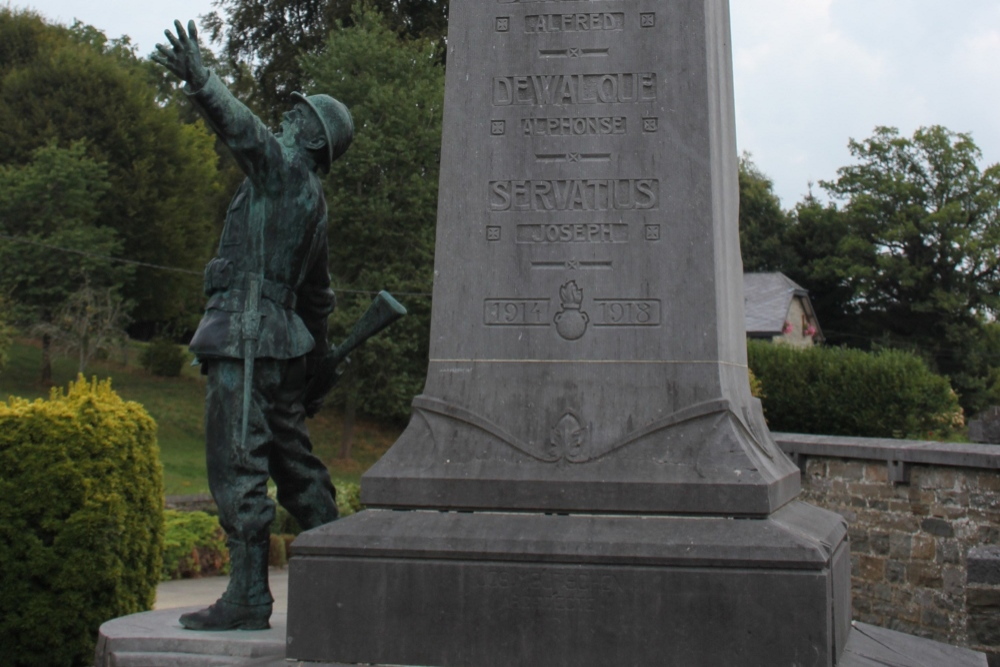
(498, 589)
(154, 639)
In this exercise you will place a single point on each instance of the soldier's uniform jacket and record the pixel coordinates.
(276, 228)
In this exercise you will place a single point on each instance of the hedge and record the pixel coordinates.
(840, 391)
(81, 522)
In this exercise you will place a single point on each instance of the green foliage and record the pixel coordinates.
(839, 391)
(53, 201)
(194, 545)
(64, 86)
(905, 257)
(163, 357)
(923, 232)
(763, 225)
(383, 200)
(81, 523)
(274, 35)
(348, 498)
(819, 237)
(50, 203)
(756, 388)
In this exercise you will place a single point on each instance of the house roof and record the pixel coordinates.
(767, 298)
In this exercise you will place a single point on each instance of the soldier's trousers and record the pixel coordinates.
(277, 445)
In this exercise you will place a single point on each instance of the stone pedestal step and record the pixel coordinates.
(155, 639)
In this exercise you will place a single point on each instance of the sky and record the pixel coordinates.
(809, 74)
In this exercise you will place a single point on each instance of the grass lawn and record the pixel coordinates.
(177, 405)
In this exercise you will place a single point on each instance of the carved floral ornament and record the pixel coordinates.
(571, 439)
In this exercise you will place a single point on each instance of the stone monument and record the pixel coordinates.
(586, 479)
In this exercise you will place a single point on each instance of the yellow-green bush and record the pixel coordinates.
(348, 498)
(81, 522)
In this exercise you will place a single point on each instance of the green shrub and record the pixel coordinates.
(348, 498)
(81, 522)
(839, 391)
(194, 545)
(163, 357)
(756, 389)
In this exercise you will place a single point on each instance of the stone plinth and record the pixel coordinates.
(151, 639)
(156, 639)
(495, 590)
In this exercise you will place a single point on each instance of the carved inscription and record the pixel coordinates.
(547, 89)
(574, 126)
(592, 22)
(573, 233)
(627, 313)
(618, 194)
(571, 320)
(546, 98)
(516, 313)
(553, 591)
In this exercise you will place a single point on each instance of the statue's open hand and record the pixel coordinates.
(183, 56)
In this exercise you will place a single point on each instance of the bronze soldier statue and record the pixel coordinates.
(263, 335)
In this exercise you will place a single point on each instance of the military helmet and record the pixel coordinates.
(336, 121)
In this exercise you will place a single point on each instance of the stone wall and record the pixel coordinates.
(916, 510)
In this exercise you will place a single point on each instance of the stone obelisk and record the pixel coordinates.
(586, 479)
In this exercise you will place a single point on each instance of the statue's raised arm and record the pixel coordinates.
(183, 57)
(256, 149)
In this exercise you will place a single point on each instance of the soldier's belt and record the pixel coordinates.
(221, 279)
(234, 300)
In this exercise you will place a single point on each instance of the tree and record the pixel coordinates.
(89, 322)
(763, 225)
(273, 35)
(48, 208)
(68, 84)
(383, 197)
(921, 224)
(820, 241)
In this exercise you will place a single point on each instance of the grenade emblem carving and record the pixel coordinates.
(571, 322)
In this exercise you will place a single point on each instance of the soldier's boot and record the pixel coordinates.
(246, 604)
